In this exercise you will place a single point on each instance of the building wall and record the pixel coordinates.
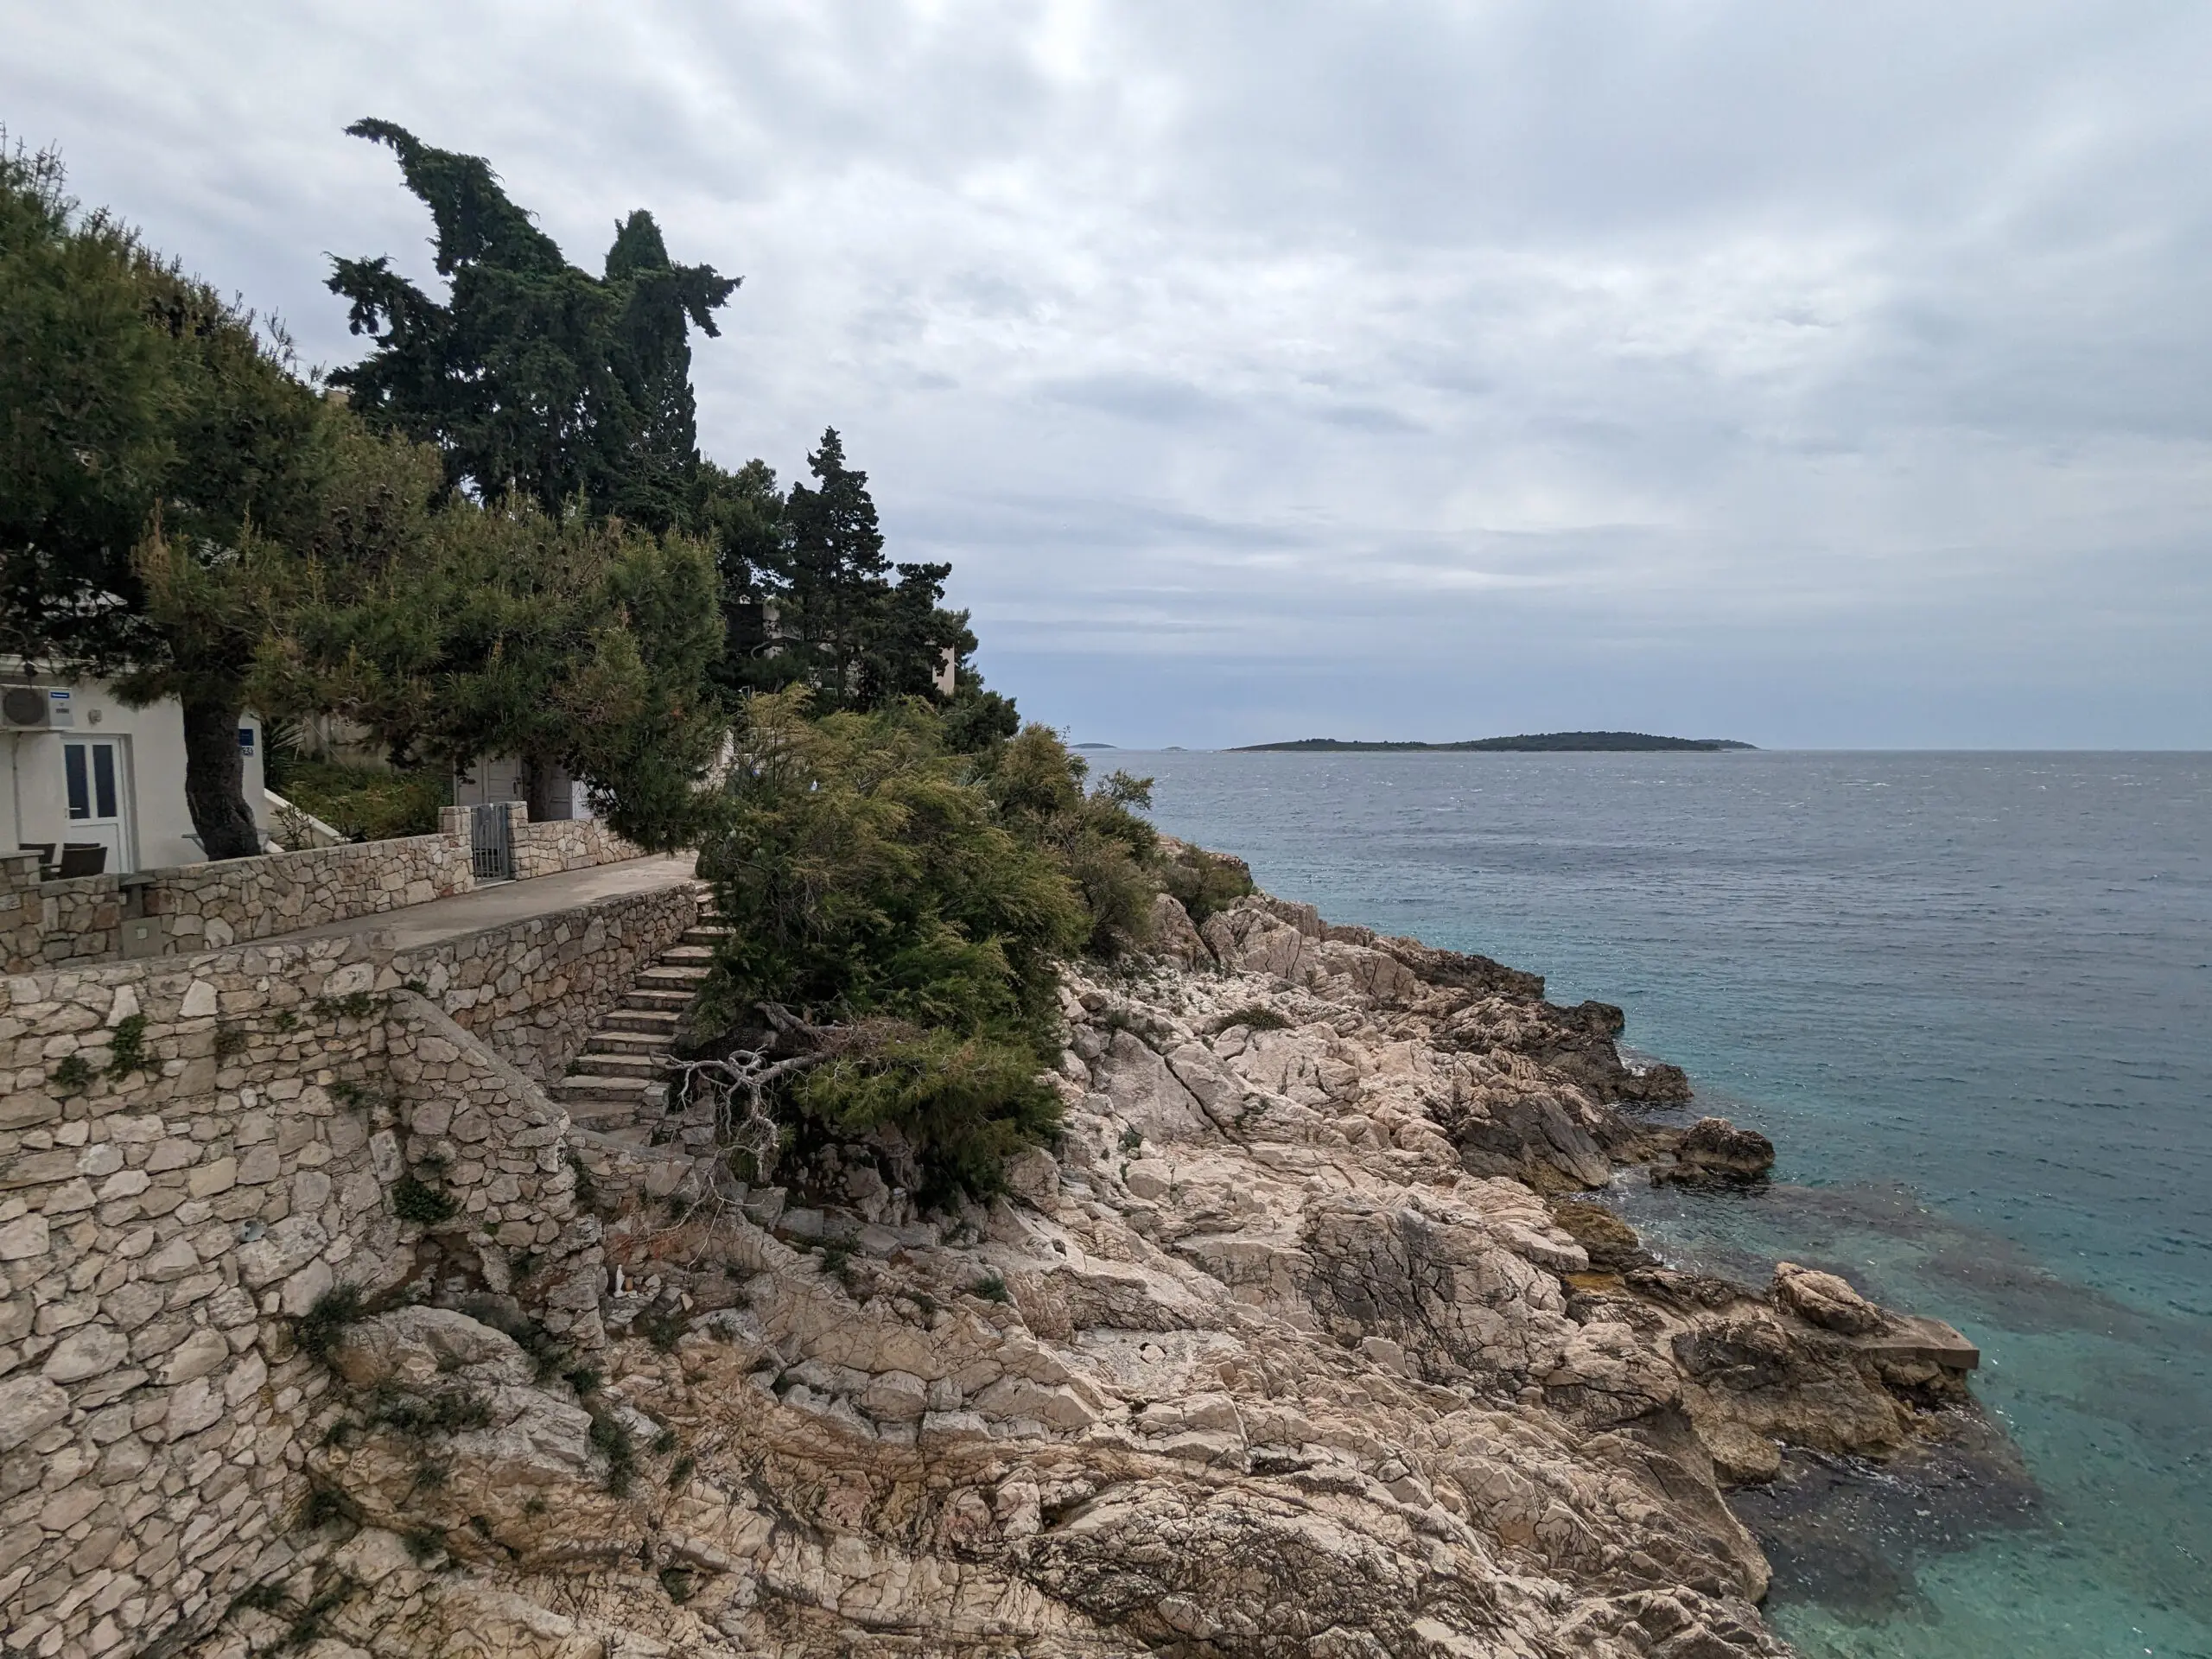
(499, 779)
(34, 805)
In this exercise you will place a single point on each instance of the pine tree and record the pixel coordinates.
(158, 457)
(579, 645)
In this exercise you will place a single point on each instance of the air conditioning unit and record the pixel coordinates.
(26, 709)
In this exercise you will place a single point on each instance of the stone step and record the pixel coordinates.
(687, 956)
(660, 1022)
(605, 1065)
(607, 1042)
(665, 1001)
(637, 1091)
(616, 1121)
(681, 975)
(705, 935)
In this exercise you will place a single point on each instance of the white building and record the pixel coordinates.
(77, 766)
(501, 778)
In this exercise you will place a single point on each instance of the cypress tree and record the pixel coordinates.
(534, 375)
(837, 572)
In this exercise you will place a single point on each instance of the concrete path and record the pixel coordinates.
(414, 926)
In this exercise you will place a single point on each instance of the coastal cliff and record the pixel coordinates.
(1303, 1340)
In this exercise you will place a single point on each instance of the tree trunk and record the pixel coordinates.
(214, 782)
(545, 786)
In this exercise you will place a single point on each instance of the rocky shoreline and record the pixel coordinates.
(1307, 1339)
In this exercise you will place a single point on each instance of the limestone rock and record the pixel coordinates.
(1714, 1150)
(1825, 1300)
(413, 1347)
(1292, 1344)
(1612, 1244)
(1173, 934)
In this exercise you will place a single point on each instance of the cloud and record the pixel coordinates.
(1710, 363)
(1153, 399)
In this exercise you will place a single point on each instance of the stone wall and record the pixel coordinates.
(191, 907)
(156, 1226)
(23, 917)
(531, 991)
(195, 907)
(567, 844)
(206, 906)
(191, 1154)
(550, 848)
(497, 1150)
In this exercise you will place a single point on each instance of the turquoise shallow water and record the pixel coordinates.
(1970, 998)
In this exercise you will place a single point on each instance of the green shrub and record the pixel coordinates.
(316, 1331)
(992, 1288)
(126, 1046)
(916, 900)
(1257, 1017)
(368, 802)
(324, 1504)
(1096, 837)
(969, 1103)
(609, 1436)
(423, 1416)
(1205, 882)
(663, 1327)
(869, 881)
(264, 1598)
(313, 1622)
(416, 1201)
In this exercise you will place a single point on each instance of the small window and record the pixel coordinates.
(81, 793)
(103, 779)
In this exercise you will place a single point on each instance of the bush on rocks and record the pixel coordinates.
(897, 908)
(871, 885)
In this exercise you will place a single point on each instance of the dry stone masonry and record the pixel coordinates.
(533, 990)
(185, 1160)
(567, 844)
(210, 906)
(196, 1152)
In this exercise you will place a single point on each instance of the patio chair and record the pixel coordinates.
(81, 858)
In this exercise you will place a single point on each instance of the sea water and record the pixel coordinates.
(1969, 997)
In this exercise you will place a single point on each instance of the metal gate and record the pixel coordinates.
(492, 849)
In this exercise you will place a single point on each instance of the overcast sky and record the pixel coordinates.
(1809, 373)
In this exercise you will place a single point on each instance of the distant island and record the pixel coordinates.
(1530, 743)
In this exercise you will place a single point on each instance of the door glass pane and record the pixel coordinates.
(103, 779)
(73, 767)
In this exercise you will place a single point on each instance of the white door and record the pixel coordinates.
(96, 776)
